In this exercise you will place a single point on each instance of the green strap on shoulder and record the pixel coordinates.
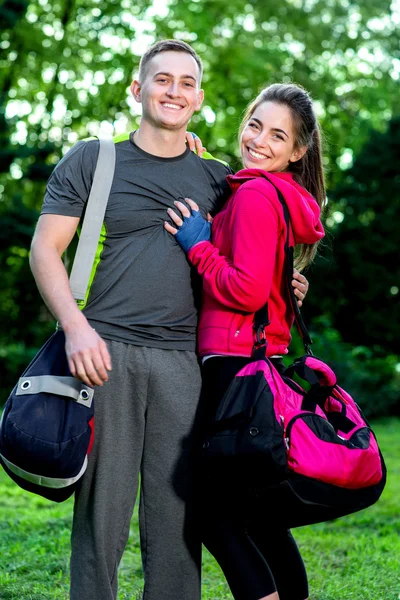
(93, 220)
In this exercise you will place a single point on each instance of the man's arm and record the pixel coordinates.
(87, 353)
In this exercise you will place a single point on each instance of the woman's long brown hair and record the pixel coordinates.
(308, 171)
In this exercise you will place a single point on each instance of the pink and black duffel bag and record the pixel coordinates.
(306, 454)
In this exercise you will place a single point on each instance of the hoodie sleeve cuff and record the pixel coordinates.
(194, 249)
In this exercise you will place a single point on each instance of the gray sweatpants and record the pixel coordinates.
(144, 421)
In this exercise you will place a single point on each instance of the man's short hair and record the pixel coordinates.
(167, 46)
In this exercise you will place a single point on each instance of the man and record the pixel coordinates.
(141, 301)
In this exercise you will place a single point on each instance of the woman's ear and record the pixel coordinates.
(298, 154)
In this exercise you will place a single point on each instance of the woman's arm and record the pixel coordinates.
(241, 281)
(192, 231)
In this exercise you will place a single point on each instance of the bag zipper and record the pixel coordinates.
(285, 438)
(288, 427)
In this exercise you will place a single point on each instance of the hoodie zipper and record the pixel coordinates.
(237, 332)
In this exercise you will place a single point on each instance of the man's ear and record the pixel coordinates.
(200, 99)
(298, 154)
(136, 88)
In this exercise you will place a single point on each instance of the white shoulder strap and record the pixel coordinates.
(93, 220)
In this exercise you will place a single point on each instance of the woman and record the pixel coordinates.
(242, 268)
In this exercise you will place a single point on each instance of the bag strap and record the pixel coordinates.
(261, 319)
(93, 219)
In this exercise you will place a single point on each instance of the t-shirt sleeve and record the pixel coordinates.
(218, 172)
(224, 193)
(69, 185)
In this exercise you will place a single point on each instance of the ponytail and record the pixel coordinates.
(309, 173)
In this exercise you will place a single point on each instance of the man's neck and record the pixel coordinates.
(160, 142)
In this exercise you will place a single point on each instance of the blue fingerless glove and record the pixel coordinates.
(193, 230)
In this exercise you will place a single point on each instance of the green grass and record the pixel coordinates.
(354, 558)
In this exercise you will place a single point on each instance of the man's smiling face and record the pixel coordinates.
(170, 92)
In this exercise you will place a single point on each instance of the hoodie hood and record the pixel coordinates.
(303, 208)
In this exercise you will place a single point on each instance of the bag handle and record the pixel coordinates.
(261, 319)
(93, 219)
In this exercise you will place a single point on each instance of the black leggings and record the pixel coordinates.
(257, 555)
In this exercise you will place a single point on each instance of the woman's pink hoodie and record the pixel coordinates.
(243, 266)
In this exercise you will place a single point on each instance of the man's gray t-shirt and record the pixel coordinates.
(143, 288)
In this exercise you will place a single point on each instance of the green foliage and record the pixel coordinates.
(359, 287)
(352, 558)
(10, 12)
(372, 380)
(24, 321)
(326, 47)
(68, 65)
(65, 70)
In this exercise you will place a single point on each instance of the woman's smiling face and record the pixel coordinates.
(268, 139)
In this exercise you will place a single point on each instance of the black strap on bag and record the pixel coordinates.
(261, 319)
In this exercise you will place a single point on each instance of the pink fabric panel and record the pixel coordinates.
(285, 399)
(325, 373)
(333, 463)
(251, 369)
(333, 405)
(351, 410)
(320, 412)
